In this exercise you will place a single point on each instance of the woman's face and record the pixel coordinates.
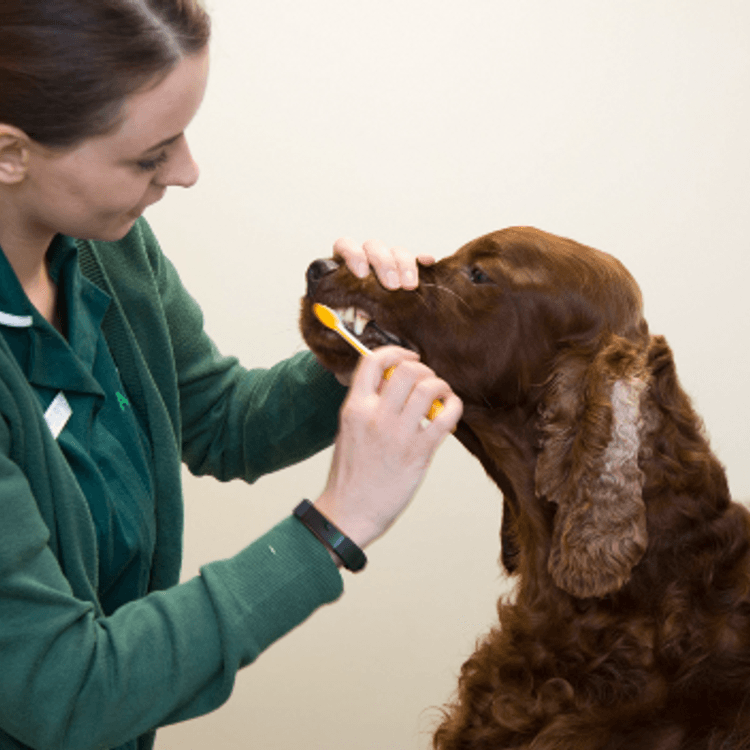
(99, 188)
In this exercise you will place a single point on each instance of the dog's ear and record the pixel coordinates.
(591, 428)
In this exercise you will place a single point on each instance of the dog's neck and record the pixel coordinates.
(504, 442)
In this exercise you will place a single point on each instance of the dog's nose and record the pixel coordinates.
(316, 271)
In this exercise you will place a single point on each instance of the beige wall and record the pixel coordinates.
(426, 123)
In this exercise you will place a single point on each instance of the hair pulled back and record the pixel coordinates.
(66, 66)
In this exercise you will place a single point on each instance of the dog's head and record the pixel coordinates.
(545, 342)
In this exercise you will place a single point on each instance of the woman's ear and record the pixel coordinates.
(15, 148)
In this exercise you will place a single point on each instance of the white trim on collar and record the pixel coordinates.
(16, 321)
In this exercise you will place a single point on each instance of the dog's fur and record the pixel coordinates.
(629, 628)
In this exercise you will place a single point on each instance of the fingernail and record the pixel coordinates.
(392, 279)
(410, 278)
(362, 270)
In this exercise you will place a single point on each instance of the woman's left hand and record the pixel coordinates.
(395, 267)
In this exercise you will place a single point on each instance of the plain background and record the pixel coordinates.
(425, 123)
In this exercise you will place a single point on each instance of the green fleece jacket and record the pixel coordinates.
(72, 678)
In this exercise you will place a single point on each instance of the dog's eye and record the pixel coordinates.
(478, 276)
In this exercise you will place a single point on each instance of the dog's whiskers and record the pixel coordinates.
(420, 297)
(450, 291)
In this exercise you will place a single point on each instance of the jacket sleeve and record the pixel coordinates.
(75, 680)
(239, 423)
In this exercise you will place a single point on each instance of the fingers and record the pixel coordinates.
(408, 395)
(368, 376)
(395, 267)
(411, 395)
(426, 394)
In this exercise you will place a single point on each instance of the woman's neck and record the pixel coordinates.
(42, 293)
(28, 259)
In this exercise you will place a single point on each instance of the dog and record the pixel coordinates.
(629, 625)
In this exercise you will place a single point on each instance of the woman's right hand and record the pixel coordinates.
(383, 449)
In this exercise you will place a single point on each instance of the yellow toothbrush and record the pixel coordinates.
(330, 319)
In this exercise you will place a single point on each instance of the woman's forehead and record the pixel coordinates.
(159, 114)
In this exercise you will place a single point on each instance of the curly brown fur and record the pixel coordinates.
(629, 628)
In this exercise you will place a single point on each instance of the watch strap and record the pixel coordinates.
(352, 557)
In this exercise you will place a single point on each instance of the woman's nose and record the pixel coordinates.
(181, 170)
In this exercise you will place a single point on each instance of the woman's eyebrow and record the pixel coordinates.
(165, 142)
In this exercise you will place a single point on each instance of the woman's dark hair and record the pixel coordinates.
(66, 66)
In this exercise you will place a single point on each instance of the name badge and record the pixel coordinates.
(57, 415)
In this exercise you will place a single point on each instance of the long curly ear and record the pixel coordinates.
(591, 433)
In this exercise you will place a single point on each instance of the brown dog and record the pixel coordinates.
(630, 626)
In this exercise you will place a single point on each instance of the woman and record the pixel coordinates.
(108, 382)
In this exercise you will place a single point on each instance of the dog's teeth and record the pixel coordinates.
(361, 319)
(348, 316)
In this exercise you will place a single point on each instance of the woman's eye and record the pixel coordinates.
(478, 276)
(150, 165)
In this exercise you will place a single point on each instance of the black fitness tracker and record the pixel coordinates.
(345, 549)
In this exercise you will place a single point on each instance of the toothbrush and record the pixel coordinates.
(331, 319)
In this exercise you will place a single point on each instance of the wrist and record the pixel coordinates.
(357, 528)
